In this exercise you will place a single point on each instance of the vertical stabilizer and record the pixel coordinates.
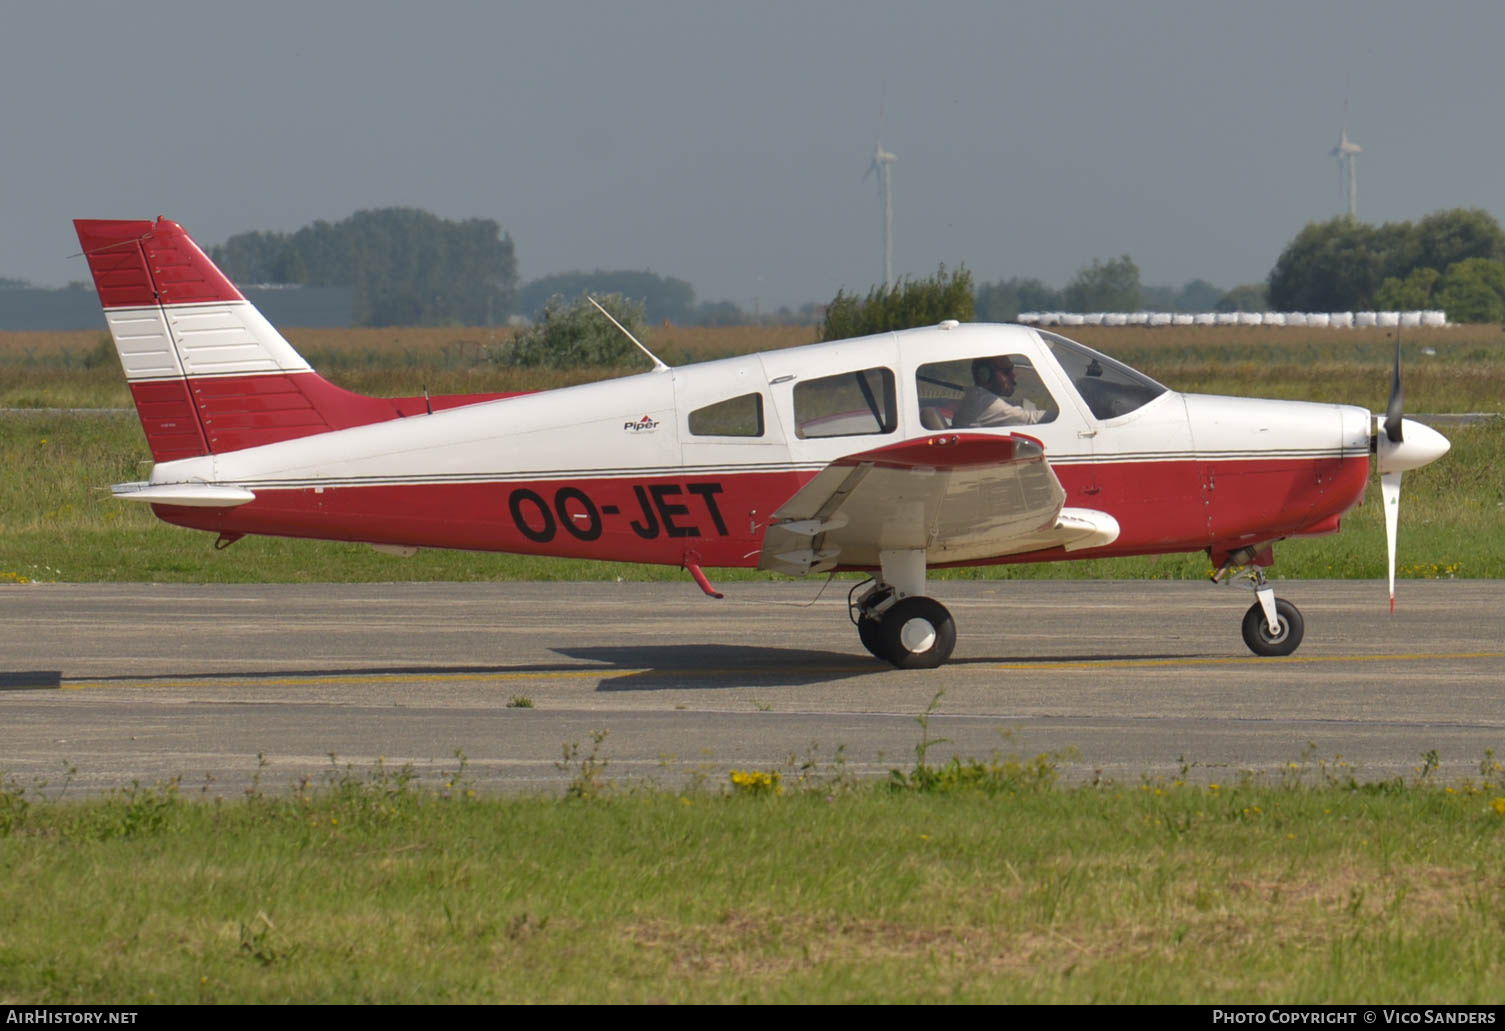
(208, 373)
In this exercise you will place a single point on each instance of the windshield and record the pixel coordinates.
(1110, 388)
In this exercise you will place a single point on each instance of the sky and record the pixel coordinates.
(726, 143)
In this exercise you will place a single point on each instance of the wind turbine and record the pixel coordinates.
(1345, 152)
(881, 160)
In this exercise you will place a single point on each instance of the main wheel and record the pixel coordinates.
(1257, 629)
(871, 632)
(918, 633)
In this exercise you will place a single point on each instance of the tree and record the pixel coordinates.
(908, 303)
(1330, 266)
(1415, 291)
(405, 266)
(1248, 297)
(664, 298)
(570, 335)
(1342, 264)
(1444, 238)
(1473, 291)
(1199, 295)
(1004, 300)
(1105, 286)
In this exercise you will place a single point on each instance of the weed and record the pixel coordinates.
(519, 701)
(13, 805)
(756, 782)
(256, 941)
(587, 770)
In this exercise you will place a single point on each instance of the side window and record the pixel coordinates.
(992, 390)
(845, 405)
(734, 417)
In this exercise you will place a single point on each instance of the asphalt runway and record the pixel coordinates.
(137, 682)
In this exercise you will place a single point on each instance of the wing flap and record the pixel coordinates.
(958, 497)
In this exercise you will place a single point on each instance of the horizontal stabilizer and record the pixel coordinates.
(191, 495)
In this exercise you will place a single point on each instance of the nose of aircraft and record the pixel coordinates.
(1419, 445)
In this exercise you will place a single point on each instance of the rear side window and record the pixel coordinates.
(849, 404)
(735, 417)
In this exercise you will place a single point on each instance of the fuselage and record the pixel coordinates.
(687, 465)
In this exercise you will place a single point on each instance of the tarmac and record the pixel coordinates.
(219, 687)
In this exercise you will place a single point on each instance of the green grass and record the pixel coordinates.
(976, 882)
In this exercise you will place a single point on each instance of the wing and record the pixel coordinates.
(958, 497)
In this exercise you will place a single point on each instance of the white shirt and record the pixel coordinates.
(981, 407)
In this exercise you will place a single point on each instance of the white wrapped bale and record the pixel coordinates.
(1434, 318)
(1092, 318)
(1272, 318)
(1341, 319)
(1387, 319)
(1028, 318)
(1183, 318)
(1071, 318)
(1318, 319)
(1204, 318)
(1226, 318)
(1160, 318)
(1115, 318)
(1250, 318)
(1364, 319)
(1297, 319)
(1409, 319)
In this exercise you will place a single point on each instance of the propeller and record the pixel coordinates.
(1395, 454)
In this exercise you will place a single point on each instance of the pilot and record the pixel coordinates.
(983, 404)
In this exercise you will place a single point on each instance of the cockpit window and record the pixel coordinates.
(1109, 388)
(991, 390)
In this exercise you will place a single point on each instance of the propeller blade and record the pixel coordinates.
(1390, 491)
(1395, 410)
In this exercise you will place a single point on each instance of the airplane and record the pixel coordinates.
(849, 455)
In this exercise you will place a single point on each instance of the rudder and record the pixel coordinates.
(208, 373)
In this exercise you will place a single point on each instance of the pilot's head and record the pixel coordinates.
(996, 373)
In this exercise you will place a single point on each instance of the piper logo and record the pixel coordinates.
(643, 425)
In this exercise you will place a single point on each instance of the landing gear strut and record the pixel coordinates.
(1272, 626)
(895, 620)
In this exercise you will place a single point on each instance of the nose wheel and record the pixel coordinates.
(1282, 640)
(1272, 626)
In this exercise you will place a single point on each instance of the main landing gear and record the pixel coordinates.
(1272, 626)
(895, 620)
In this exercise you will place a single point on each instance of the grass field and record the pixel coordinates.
(975, 882)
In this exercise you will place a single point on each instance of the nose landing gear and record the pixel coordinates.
(1272, 626)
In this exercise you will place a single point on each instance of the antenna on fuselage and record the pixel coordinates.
(658, 366)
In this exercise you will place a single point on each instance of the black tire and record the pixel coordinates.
(914, 617)
(1257, 629)
(871, 632)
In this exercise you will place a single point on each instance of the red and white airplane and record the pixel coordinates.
(848, 455)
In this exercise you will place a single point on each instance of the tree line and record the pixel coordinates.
(409, 267)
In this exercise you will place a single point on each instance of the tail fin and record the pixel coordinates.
(208, 373)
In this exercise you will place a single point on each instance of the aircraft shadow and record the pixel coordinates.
(652, 667)
(676, 666)
(31, 680)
